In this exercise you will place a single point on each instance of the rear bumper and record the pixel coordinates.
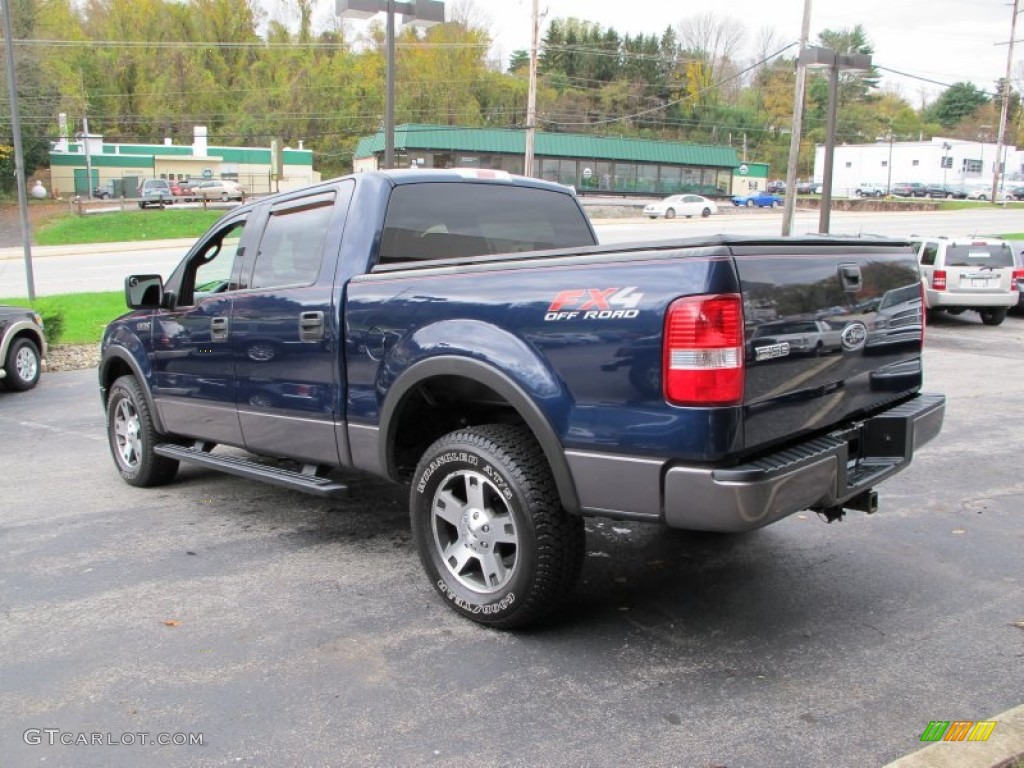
(944, 299)
(823, 472)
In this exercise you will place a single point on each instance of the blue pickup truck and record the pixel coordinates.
(464, 333)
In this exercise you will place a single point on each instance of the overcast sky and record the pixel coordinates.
(946, 41)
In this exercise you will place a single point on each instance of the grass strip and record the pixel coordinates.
(122, 226)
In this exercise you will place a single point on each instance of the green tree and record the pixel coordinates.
(957, 102)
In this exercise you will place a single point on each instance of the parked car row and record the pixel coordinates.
(161, 192)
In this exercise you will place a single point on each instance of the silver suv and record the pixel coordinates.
(968, 273)
(155, 192)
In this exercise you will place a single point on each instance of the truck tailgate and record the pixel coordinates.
(833, 329)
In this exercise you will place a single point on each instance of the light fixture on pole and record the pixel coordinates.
(423, 13)
(835, 62)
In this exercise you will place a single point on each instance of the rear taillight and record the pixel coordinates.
(939, 280)
(703, 350)
(1018, 278)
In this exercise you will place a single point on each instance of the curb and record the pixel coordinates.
(1005, 743)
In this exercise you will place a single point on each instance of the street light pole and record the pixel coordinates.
(421, 12)
(19, 154)
(823, 57)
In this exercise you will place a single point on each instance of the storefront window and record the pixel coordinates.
(670, 179)
(625, 177)
(567, 173)
(549, 169)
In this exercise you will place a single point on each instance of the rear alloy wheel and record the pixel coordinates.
(22, 365)
(775, 203)
(132, 436)
(750, 203)
(489, 526)
(993, 315)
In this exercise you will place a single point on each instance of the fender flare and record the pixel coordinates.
(534, 418)
(121, 354)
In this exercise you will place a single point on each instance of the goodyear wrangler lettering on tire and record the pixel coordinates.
(486, 610)
(489, 526)
(440, 461)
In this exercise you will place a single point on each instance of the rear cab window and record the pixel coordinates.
(438, 220)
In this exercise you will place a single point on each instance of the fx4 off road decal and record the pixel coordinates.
(594, 304)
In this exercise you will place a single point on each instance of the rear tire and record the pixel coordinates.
(993, 315)
(132, 436)
(490, 529)
(750, 203)
(23, 365)
(670, 213)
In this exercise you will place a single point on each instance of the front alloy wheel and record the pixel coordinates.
(132, 436)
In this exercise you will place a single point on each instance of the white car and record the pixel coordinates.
(220, 189)
(681, 205)
(984, 193)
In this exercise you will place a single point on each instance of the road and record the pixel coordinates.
(103, 268)
(289, 631)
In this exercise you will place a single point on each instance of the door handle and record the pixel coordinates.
(850, 278)
(311, 326)
(219, 328)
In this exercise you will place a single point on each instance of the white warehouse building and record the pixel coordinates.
(953, 163)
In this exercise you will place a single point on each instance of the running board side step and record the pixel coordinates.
(309, 480)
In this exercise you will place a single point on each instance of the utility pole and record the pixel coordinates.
(789, 202)
(19, 154)
(531, 97)
(88, 157)
(998, 167)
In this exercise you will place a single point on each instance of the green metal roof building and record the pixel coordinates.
(589, 163)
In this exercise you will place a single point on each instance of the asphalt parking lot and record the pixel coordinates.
(280, 630)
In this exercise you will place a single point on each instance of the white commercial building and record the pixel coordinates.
(953, 163)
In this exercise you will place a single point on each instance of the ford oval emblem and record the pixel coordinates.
(854, 336)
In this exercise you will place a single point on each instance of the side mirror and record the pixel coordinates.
(143, 291)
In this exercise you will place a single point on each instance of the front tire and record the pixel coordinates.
(750, 203)
(705, 213)
(22, 365)
(489, 526)
(132, 435)
(993, 315)
(670, 213)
